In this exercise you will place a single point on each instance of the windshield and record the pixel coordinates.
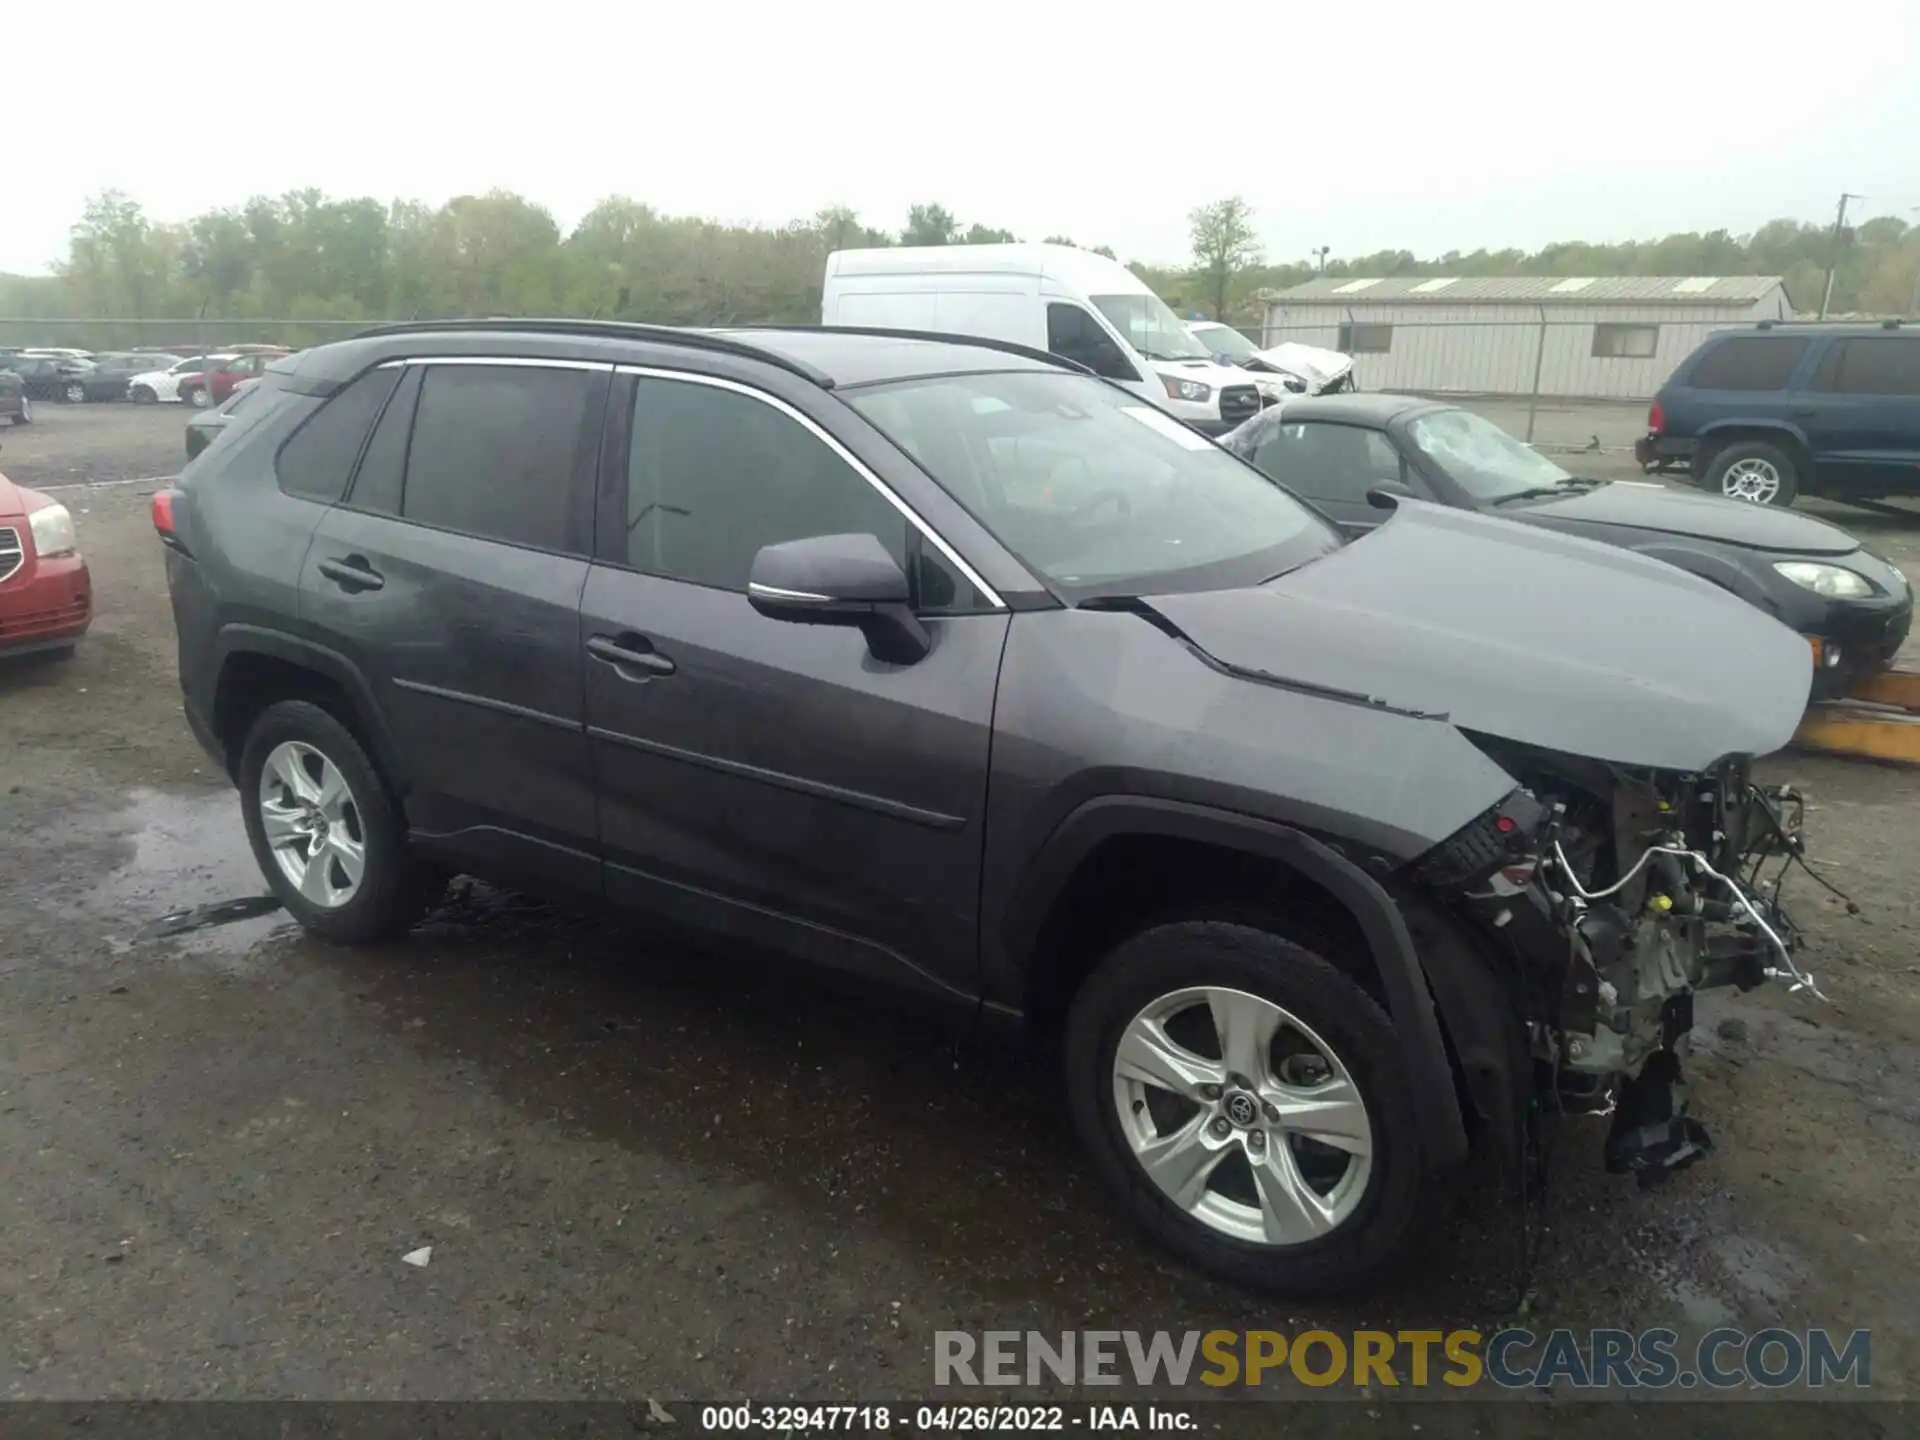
(1482, 458)
(1098, 492)
(1225, 340)
(1150, 327)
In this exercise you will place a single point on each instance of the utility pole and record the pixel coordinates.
(1833, 251)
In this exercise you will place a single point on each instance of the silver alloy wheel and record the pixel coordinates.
(1752, 479)
(312, 824)
(1272, 1152)
(76, 393)
(199, 397)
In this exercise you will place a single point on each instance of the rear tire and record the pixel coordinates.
(1246, 1224)
(74, 393)
(197, 397)
(143, 395)
(390, 891)
(1756, 471)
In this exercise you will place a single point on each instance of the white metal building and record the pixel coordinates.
(1590, 337)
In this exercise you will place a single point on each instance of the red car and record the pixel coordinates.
(46, 596)
(202, 390)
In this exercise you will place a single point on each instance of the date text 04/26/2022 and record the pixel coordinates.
(962, 1418)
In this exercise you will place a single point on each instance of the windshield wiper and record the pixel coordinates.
(1532, 493)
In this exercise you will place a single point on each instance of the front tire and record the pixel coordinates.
(143, 395)
(197, 397)
(325, 830)
(25, 417)
(1756, 471)
(1248, 1104)
(74, 393)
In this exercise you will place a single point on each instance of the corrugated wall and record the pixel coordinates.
(1492, 349)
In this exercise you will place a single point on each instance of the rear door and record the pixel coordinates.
(451, 577)
(1863, 414)
(1741, 380)
(763, 779)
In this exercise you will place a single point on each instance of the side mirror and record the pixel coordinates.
(1295, 384)
(840, 580)
(1388, 494)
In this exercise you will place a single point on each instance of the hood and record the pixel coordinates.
(1320, 368)
(1523, 633)
(1205, 371)
(17, 500)
(1645, 506)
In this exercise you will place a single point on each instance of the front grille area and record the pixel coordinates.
(12, 553)
(1237, 402)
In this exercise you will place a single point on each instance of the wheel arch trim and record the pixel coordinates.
(237, 639)
(1409, 1002)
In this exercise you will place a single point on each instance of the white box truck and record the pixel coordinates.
(1072, 302)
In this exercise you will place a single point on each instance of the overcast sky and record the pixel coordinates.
(1428, 127)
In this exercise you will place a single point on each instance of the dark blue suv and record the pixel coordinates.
(1786, 410)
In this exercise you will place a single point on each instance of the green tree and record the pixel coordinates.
(1224, 249)
(930, 225)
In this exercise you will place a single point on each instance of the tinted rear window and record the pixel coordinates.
(1751, 362)
(319, 456)
(493, 451)
(1876, 365)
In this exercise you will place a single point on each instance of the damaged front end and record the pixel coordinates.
(1616, 894)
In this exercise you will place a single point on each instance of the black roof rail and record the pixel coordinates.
(1894, 324)
(611, 330)
(1010, 347)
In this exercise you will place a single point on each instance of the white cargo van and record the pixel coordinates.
(1050, 297)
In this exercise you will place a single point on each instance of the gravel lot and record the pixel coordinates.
(645, 1171)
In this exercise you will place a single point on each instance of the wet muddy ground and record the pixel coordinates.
(645, 1169)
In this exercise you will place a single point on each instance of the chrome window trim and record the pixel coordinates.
(774, 592)
(521, 362)
(932, 536)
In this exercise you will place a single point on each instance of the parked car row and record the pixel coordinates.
(76, 377)
(1333, 860)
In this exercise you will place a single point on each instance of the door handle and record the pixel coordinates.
(625, 652)
(1804, 412)
(351, 572)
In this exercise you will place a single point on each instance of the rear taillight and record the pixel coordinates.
(1656, 418)
(163, 525)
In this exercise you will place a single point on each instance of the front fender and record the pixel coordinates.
(1389, 942)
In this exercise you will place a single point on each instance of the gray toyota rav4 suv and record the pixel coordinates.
(955, 668)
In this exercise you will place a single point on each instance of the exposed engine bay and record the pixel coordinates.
(1619, 894)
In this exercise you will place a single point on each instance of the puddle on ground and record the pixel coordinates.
(191, 877)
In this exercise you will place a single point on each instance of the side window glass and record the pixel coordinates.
(318, 458)
(493, 451)
(1751, 362)
(1879, 365)
(383, 469)
(714, 475)
(1073, 333)
(1826, 375)
(1328, 462)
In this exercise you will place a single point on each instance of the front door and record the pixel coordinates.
(1332, 467)
(763, 779)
